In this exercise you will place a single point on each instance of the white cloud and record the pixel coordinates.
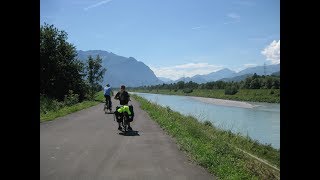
(185, 70)
(233, 16)
(249, 65)
(272, 52)
(97, 4)
(194, 66)
(198, 27)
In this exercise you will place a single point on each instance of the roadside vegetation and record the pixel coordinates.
(66, 84)
(226, 155)
(51, 109)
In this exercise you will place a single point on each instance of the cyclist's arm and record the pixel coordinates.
(116, 96)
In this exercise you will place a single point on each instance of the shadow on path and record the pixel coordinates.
(130, 133)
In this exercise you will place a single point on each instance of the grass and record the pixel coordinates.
(54, 109)
(253, 95)
(221, 152)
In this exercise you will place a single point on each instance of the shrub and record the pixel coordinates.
(71, 98)
(230, 90)
(208, 123)
(188, 90)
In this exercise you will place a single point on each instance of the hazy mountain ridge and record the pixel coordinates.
(229, 75)
(133, 73)
(122, 70)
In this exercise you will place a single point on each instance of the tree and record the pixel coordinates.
(220, 85)
(268, 82)
(180, 84)
(191, 85)
(95, 74)
(60, 71)
(230, 89)
(276, 84)
(247, 82)
(255, 84)
(255, 76)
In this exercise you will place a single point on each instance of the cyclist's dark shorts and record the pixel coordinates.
(107, 97)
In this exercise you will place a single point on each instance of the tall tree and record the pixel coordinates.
(60, 71)
(95, 73)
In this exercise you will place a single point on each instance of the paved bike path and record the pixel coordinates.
(87, 145)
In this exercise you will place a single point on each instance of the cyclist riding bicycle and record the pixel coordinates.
(107, 95)
(124, 97)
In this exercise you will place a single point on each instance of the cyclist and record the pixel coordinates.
(107, 95)
(124, 97)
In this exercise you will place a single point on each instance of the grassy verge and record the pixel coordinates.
(226, 155)
(62, 111)
(253, 95)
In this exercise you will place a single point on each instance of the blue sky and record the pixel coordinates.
(175, 38)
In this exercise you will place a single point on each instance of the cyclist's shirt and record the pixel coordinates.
(107, 91)
(123, 97)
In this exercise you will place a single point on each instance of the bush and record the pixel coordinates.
(71, 98)
(208, 123)
(168, 109)
(47, 104)
(188, 90)
(230, 90)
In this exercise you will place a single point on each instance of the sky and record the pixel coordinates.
(175, 38)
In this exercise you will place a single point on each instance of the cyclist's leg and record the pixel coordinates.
(106, 99)
(109, 102)
(129, 127)
(105, 105)
(119, 126)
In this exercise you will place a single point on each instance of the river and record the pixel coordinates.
(259, 121)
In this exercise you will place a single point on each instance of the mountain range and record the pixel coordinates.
(229, 75)
(122, 70)
(133, 73)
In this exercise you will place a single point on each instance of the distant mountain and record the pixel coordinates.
(236, 78)
(276, 73)
(122, 70)
(214, 76)
(165, 80)
(133, 73)
(244, 76)
(229, 75)
(195, 78)
(223, 73)
(260, 70)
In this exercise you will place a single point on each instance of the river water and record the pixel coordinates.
(261, 123)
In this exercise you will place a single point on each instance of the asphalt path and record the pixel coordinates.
(87, 145)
